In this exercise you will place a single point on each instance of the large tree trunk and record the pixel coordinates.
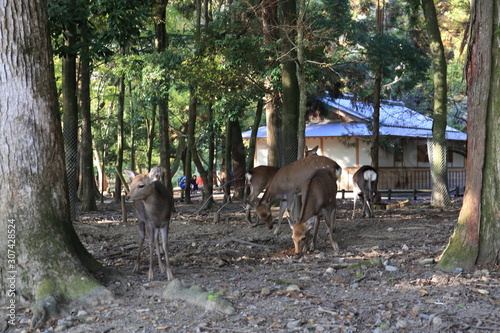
(161, 42)
(437, 146)
(301, 80)
(475, 239)
(290, 86)
(271, 98)
(70, 115)
(42, 256)
(87, 188)
(193, 101)
(238, 158)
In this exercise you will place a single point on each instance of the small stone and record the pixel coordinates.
(458, 270)
(265, 291)
(390, 268)
(293, 287)
(416, 310)
(81, 313)
(329, 270)
(293, 324)
(405, 247)
(437, 321)
(390, 229)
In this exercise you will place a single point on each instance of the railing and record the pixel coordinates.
(391, 194)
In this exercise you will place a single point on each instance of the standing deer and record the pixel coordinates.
(153, 203)
(287, 183)
(319, 198)
(365, 186)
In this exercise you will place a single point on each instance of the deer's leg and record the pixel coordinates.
(331, 221)
(158, 252)
(354, 208)
(283, 207)
(151, 236)
(141, 228)
(312, 246)
(164, 241)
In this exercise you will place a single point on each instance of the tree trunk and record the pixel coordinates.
(120, 139)
(226, 186)
(150, 124)
(437, 146)
(70, 116)
(161, 42)
(377, 91)
(238, 158)
(290, 111)
(475, 239)
(43, 256)
(87, 181)
(301, 80)
(271, 99)
(190, 142)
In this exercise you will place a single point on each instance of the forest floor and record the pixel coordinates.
(381, 280)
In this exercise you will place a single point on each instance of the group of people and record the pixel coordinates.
(195, 183)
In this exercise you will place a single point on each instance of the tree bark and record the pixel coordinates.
(87, 181)
(475, 239)
(238, 158)
(161, 44)
(45, 256)
(271, 98)
(437, 146)
(70, 115)
(120, 139)
(290, 86)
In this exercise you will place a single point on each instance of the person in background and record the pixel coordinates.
(199, 182)
(182, 182)
(194, 185)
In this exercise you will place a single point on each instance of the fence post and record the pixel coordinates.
(415, 194)
(343, 194)
(389, 192)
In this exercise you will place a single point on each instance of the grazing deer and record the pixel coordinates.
(257, 180)
(153, 203)
(365, 187)
(287, 183)
(319, 198)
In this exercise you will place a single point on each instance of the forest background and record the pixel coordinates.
(174, 83)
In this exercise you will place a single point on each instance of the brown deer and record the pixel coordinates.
(153, 203)
(287, 183)
(365, 188)
(259, 178)
(319, 198)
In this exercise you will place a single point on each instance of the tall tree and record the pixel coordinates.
(70, 107)
(437, 145)
(271, 104)
(377, 89)
(48, 260)
(290, 86)
(475, 239)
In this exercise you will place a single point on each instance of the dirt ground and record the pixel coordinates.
(381, 280)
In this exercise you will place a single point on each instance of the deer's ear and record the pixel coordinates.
(130, 174)
(310, 223)
(155, 173)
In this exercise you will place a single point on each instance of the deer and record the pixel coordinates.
(365, 188)
(287, 183)
(259, 178)
(319, 198)
(153, 204)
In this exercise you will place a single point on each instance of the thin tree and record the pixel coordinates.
(47, 259)
(475, 239)
(437, 145)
